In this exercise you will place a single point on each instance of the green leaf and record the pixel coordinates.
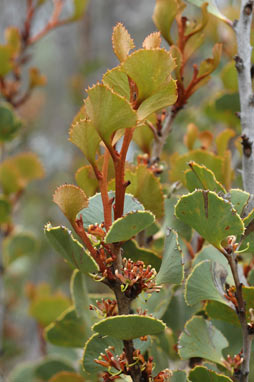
(201, 177)
(172, 221)
(212, 8)
(79, 294)
(24, 371)
(66, 376)
(9, 122)
(5, 60)
(18, 245)
(46, 308)
(144, 138)
(117, 80)
(84, 136)
(94, 346)
(70, 199)
(127, 327)
(239, 199)
(64, 243)
(132, 251)
(143, 179)
(128, 226)
(164, 97)
(67, 330)
(155, 303)
(150, 70)
(94, 213)
(210, 215)
(108, 111)
(218, 311)
(210, 64)
(179, 163)
(171, 270)
(210, 253)
(13, 39)
(179, 376)
(50, 366)
(5, 209)
(79, 9)
(122, 42)
(86, 180)
(164, 14)
(206, 282)
(201, 339)
(201, 373)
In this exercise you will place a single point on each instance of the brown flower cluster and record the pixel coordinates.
(135, 278)
(105, 307)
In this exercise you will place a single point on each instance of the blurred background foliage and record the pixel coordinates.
(72, 58)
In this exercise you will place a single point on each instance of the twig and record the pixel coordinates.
(242, 29)
(160, 142)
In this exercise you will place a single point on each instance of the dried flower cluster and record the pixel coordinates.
(136, 278)
(105, 307)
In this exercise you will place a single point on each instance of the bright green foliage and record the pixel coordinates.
(94, 213)
(129, 327)
(141, 179)
(206, 282)
(9, 122)
(50, 366)
(128, 226)
(108, 111)
(5, 59)
(201, 177)
(117, 80)
(122, 42)
(86, 180)
(211, 216)
(93, 348)
(72, 251)
(45, 308)
(18, 245)
(70, 199)
(171, 270)
(218, 311)
(164, 14)
(200, 373)
(132, 251)
(67, 330)
(66, 376)
(201, 339)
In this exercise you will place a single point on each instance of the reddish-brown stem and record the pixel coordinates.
(119, 174)
(79, 228)
(103, 183)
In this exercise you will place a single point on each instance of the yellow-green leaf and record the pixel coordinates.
(122, 42)
(152, 41)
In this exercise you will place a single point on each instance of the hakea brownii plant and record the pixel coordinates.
(113, 211)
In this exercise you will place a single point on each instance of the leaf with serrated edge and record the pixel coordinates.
(152, 41)
(84, 136)
(201, 339)
(122, 42)
(127, 327)
(64, 243)
(171, 270)
(150, 70)
(210, 215)
(128, 226)
(201, 177)
(108, 111)
(70, 199)
(201, 374)
(206, 282)
(117, 80)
